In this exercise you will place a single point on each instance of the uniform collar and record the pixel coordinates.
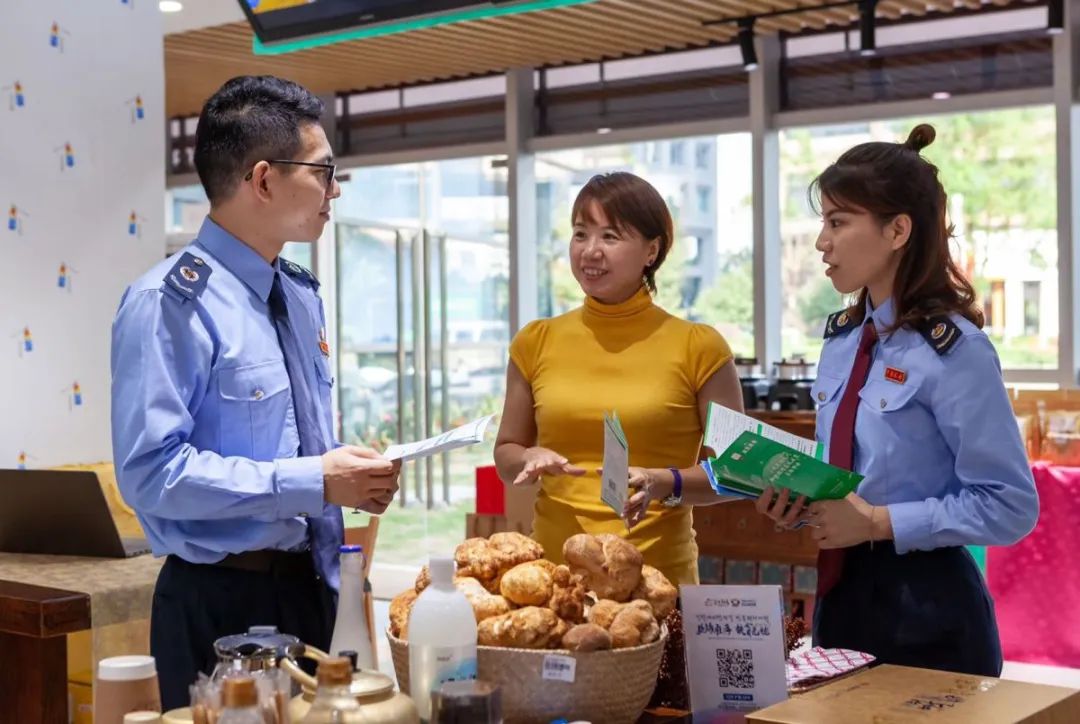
(884, 315)
(239, 258)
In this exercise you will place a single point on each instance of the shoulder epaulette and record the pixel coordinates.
(293, 269)
(941, 333)
(188, 276)
(838, 323)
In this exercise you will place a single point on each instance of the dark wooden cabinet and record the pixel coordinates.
(34, 623)
(738, 545)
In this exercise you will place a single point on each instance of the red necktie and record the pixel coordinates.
(842, 446)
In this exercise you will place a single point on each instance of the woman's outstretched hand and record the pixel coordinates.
(541, 461)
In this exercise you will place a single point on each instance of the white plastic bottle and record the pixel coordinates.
(442, 636)
(351, 632)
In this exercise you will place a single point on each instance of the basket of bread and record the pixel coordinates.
(602, 608)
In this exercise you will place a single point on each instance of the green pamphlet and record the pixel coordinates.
(746, 456)
(752, 463)
(615, 489)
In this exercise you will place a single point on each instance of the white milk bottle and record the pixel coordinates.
(351, 632)
(442, 636)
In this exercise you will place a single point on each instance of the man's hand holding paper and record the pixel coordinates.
(468, 434)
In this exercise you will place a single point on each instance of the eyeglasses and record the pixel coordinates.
(331, 169)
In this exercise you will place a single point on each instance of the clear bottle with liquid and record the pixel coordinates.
(442, 636)
(334, 701)
(240, 702)
(351, 631)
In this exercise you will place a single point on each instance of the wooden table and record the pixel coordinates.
(672, 716)
(43, 598)
(34, 623)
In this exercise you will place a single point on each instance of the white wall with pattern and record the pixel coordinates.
(82, 148)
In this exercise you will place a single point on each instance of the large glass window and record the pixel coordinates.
(423, 328)
(998, 168)
(708, 275)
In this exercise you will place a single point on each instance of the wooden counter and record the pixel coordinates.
(797, 422)
(43, 598)
(738, 545)
(34, 623)
(737, 531)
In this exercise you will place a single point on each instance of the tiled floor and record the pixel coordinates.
(1034, 673)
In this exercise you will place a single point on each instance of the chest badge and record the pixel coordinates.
(324, 346)
(893, 374)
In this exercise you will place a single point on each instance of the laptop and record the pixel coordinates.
(60, 512)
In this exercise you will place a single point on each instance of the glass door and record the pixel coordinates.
(468, 337)
(423, 330)
(378, 391)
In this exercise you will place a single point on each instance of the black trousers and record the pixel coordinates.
(194, 605)
(929, 609)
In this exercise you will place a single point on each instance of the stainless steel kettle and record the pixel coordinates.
(261, 648)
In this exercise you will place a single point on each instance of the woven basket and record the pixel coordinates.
(609, 687)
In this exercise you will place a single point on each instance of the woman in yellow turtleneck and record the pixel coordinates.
(617, 352)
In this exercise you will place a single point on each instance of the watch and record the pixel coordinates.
(675, 499)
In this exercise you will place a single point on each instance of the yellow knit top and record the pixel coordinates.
(646, 365)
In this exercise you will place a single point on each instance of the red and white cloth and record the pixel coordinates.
(817, 666)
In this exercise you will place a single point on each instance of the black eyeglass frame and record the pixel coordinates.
(331, 169)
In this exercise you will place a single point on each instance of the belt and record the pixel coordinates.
(270, 561)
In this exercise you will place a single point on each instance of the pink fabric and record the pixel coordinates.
(819, 665)
(1036, 583)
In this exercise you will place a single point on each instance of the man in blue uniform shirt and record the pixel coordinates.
(222, 423)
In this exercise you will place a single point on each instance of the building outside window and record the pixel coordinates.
(998, 168)
(708, 274)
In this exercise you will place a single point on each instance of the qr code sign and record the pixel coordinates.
(735, 668)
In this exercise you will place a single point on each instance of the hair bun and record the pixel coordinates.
(920, 137)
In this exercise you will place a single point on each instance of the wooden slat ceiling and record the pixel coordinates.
(199, 61)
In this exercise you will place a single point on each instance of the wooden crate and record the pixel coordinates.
(482, 526)
(737, 531)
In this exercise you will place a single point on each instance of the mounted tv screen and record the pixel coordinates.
(281, 20)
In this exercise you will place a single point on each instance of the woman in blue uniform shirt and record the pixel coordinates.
(910, 396)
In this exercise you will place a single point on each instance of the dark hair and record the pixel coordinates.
(630, 202)
(250, 119)
(889, 179)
